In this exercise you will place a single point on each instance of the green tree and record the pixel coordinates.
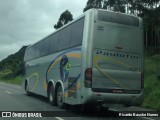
(119, 6)
(93, 4)
(65, 17)
(115, 5)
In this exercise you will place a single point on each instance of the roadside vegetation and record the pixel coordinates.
(152, 82)
(10, 67)
(17, 80)
(7, 77)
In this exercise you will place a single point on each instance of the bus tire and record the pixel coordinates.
(51, 95)
(60, 102)
(27, 89)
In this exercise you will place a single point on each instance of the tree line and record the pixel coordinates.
(12, 63)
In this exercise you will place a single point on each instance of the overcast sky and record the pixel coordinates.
(24, 22)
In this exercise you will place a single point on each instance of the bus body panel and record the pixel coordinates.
(117, 56)
(117, 63)
(113, 51)
(113, 98)
(49, 68)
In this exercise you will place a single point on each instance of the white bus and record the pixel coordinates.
(98, 57)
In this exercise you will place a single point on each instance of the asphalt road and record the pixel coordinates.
(13, 98)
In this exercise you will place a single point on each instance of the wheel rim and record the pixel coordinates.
(50, 96)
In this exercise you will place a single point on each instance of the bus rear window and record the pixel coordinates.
(118, 18)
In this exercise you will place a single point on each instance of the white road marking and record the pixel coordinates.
(148, 118)
(8, 92)
(16, 86)
(59, 118)
(113, 110)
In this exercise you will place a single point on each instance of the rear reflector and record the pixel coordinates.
(88, 78)
(117, 91)
(98, 94)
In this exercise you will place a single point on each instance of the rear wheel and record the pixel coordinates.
(60, 99)
(51, 96)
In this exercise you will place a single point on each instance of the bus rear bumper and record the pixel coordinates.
(114, 98)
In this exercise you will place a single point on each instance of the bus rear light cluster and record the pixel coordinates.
(88, 78)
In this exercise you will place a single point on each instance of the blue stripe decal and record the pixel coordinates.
(73, 84)
(73, 49)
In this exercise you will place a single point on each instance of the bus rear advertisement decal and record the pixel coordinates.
(117, 54)
(97, 59)
(104, 60)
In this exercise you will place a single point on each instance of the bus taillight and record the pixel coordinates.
(88, 78)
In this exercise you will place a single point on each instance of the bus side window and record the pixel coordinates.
(77, 33)
(53, 43)
(64, 38)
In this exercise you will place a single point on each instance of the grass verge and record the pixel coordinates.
(17, 80)
(152, 83)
